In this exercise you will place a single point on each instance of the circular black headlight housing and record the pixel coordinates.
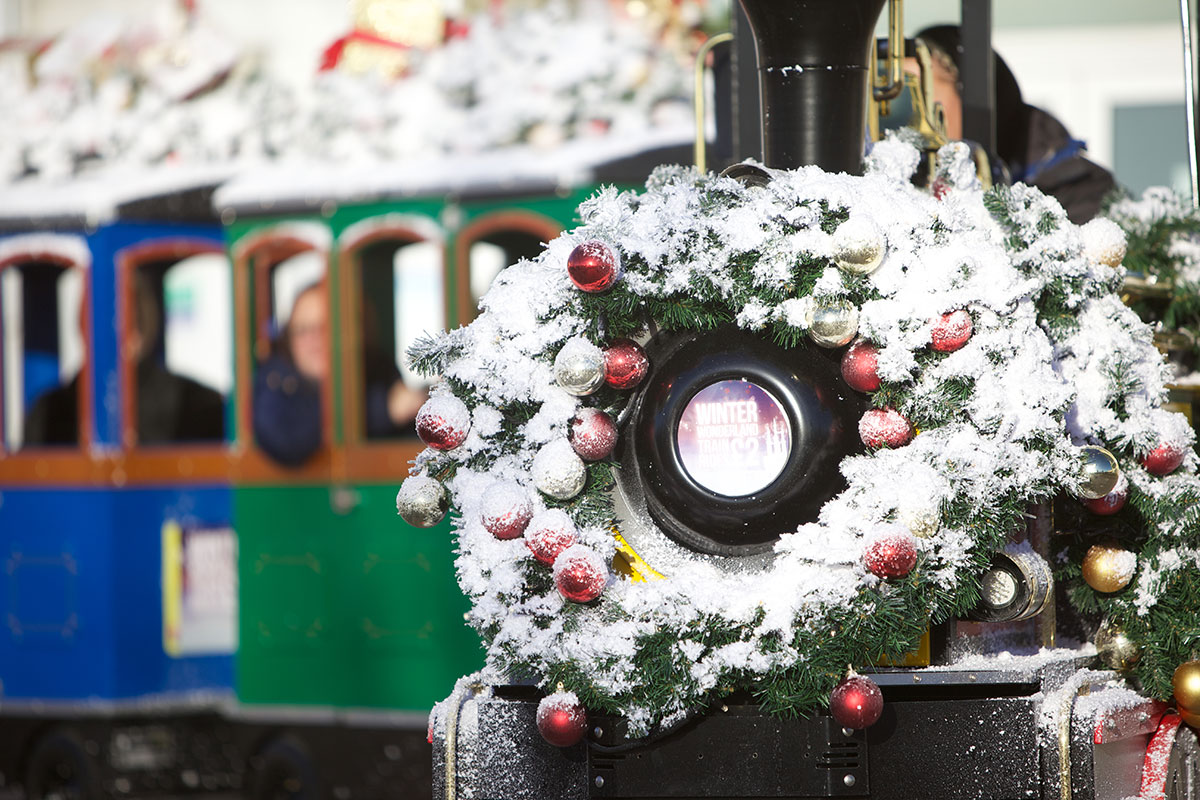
(737, 440)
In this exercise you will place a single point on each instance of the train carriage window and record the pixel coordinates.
(41, 305)
(490, 254)
(401, 292)
(178, 347)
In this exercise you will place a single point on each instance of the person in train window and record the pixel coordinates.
(1035, 148)
(170, 408)
(287, 387)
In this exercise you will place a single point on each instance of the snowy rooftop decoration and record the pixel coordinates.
(1003, 403)
(110, 92)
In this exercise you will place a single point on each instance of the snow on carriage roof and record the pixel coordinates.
(94, 198)
(506, 170)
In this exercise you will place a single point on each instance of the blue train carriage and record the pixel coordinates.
(350, 627)
(118, 585)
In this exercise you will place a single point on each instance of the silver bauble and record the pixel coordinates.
(1100, 473)
(422, 501)
(1115, 648)
(832, 322)
(579, 367)
(923, 523)
(858, 246)
(558, 471)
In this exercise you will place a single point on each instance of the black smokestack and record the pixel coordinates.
(814, 67)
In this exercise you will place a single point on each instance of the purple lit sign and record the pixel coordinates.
(734, 438)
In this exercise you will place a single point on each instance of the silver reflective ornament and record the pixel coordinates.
(832, 322)
(558, 471)
(1100, 473)
(1115, 648)
(858, 246)
(579, 367)
(923, 523)
(422, 501)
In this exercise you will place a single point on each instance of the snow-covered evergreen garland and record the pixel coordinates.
(1053, 362)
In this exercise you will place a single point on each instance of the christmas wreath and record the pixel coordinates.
(998, 363)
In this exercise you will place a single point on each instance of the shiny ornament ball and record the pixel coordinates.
(579, 367)
(1100, 474)
(892, 555)
(593, 434)
(856, 702)
(443, 422)
(922, 523)
(422, 501)
(858, 246)
(561, 719)
(558, 472)
(580, 574)
(860, 366)
(1189, 718)
(832, 322)
(1112, 502)
(1185, 684)
(549, 533)
(505, 510)
(625, 364)
(593, 267)
(1164, 459)
(1103, 242)
(881, 427)
(1115, 649)
(951, 331)
(1108, 567)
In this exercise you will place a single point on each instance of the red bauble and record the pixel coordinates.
(951, 331)
(580, 574)
(884, 426)
(505, 510)
(856, 702)
(625, 364)
(1164, 459)
(1111, 503)
(548, 534)
(592, 267)
(593, 434)
(860, 366)
(443, 422)
(892, 555)
(561, 719)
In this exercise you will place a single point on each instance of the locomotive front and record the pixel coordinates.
(772, 423)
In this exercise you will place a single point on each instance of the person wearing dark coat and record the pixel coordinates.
(1034, 147)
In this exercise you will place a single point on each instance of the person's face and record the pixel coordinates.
(308, 335)
(945, 92)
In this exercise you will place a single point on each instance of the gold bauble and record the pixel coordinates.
(858, 246)
(1190, 718)
(1116, 650)
(832, 322)
(923, 524)
(1100, 473)
(1186, 684)
(1108, 567)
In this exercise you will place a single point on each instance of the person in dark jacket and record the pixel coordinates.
(1035, 147)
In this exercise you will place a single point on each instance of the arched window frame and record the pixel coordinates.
(508, 220)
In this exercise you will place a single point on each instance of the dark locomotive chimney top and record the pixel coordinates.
(815, 70)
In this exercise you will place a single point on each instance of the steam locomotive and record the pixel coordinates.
(961, 720)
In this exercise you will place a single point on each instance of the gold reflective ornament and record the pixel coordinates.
(858, 246)
(832, 322)
(1108, 567)
(1100, 473)
(1190, 718)
(1116, 650)
(422, 501)
(1186, 685)
(922, 524)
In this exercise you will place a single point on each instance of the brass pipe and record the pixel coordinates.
(698, 153)
(891, 89)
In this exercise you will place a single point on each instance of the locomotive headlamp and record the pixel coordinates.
(1016, 586)
(737, 440)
